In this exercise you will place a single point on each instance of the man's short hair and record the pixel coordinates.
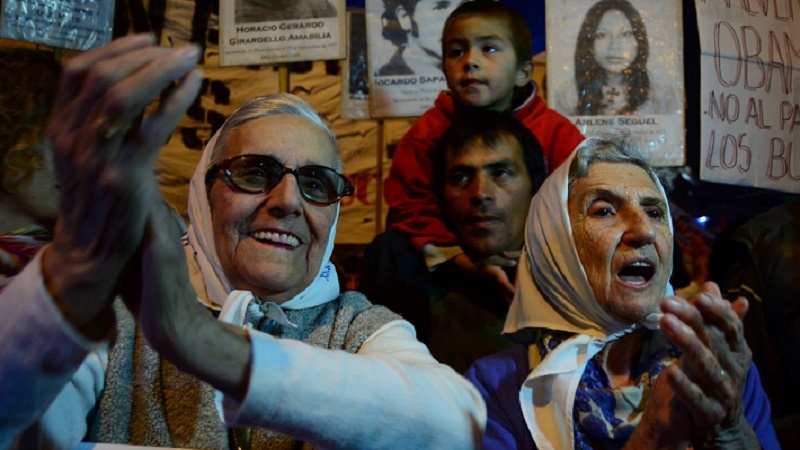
(490, 127)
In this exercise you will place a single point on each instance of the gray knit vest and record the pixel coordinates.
(148, 401)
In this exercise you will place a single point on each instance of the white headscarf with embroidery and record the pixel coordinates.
(554, 293)
(206, 273)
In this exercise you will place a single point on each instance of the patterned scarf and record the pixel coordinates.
(18, 247)
(605, 417)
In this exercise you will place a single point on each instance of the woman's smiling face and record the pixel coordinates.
(615, 46)
(273, 243)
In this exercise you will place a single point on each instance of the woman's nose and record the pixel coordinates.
(285, 199)
(614, 41)
(640, 230)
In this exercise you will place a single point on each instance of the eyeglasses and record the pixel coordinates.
(260, 173)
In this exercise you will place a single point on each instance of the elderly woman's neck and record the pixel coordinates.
(621, 356)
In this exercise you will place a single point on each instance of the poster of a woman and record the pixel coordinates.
(621, 58)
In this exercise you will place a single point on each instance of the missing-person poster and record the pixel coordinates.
(750, 107)
(77, 25)
(619, 63)
(355, 75)
(405, 54)
(262, 32)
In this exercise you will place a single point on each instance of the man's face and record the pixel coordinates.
(487, 191)
(430, 15)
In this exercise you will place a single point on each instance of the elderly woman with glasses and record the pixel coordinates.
(298, 363)
(606, 358)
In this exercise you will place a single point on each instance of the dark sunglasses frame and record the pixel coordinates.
(225, 168)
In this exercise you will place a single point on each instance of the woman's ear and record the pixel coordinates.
(524, 73)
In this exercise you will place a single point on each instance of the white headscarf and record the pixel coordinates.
(208, 278)
(553, 292)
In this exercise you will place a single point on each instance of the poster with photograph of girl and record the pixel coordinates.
(355, 76)
(405, 54)
(619, 63)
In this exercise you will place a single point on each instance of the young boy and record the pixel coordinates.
(488, 62)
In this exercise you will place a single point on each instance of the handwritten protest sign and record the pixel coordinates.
(750, 108)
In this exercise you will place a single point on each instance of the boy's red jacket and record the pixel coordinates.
(409, 189)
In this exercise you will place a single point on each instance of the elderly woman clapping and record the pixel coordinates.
(300, 362)
(606, 360)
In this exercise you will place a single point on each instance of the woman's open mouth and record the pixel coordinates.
(638, 272)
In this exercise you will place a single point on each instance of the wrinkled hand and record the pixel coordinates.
(159, 293)
(156, 288)
(104, 158)
(700, 398)
(491, 269)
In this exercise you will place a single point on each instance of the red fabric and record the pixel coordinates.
(409, 187)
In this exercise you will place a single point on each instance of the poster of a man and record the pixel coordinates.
(619, 58)
(405, 51)
(263, 32)
(250, 11)
(414, 28)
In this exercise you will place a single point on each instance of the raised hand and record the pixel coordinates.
(710, 377)
(103, 157)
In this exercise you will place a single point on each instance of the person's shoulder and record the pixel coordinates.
(772, 222)
(535, 108)
(499, 368)
(354, 300)
(435, 120)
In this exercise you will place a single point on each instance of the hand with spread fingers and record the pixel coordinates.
(709, 379)
(104, 159)
(699, 399)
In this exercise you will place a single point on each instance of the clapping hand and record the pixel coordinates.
(104, 159)
(699, 399)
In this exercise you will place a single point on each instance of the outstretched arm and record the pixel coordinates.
(104, 164)
(103, 160)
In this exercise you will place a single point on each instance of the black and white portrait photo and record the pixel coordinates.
(619, 63)
(405, 54)
(250, 11)
(263, 32)
(414, 30)
(614, 64)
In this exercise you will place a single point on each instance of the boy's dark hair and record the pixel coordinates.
(490, 127)
(520, 33)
